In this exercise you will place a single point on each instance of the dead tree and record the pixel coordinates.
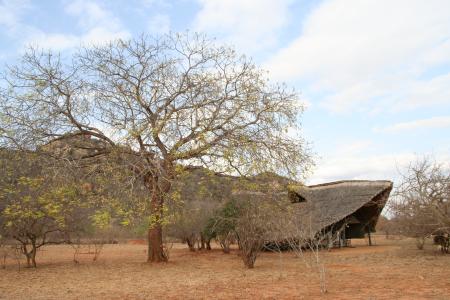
(88, 247)
(421, 202)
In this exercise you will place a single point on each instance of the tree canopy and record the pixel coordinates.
(160, 103)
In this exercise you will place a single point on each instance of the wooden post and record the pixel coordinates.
(344, 239)
(370, 239)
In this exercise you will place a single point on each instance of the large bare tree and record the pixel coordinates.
(161, 104)
(421, 202)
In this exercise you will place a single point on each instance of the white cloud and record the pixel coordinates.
(52, 41)
(367, 54)
(250, 25)
(352, 166)
(90, 14)
(434, 122)
(156, 3)
(159, 23)
(98, 24)
(10, 14)
(9, 11)
(354, 147)
(425, 92)
(59, 41)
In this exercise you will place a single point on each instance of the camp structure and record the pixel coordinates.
(343, 209)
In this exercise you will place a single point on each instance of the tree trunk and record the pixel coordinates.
(155, 244)
(225, 246)
(249, 261)
(33, 258)
(33, 253)
(191, 243)
(155, 240)
(202, 242)
(420, 242)
(30, 255)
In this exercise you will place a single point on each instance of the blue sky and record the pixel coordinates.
(374, 74)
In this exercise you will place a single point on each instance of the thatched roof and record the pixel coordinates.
(332, 202)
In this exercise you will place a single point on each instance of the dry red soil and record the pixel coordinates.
(393, 269)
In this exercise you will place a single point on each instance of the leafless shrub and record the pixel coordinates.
(251, 231)
(89, 247)
(421, 202)
(10, 251)
(167, 247)
(189, 220)
(386, 226)
(225, 241)
(315, 243)
(441, 238)
(301, 232)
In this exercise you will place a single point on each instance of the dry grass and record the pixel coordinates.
(392, 269)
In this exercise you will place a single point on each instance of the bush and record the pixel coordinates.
(222, 225)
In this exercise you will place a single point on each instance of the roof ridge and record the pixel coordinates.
(349, 181)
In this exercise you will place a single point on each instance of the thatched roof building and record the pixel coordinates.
(353, 205)
(332, 212)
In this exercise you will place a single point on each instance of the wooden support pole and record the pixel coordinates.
(344, 239)
(370, 239)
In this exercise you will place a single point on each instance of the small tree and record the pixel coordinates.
(253, 228)
(39, 205)
(37, 214)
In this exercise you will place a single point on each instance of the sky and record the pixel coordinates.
(373, 74)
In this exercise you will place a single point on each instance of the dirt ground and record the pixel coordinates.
(392, 269)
